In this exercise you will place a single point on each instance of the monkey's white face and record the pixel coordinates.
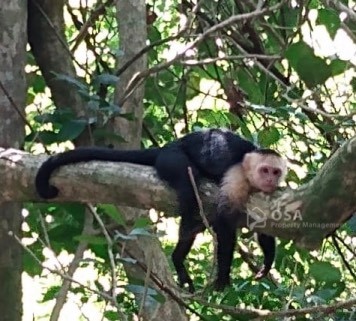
(264, 172)
(267, 178)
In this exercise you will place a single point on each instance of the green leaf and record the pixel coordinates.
(72, 81)
(128, 116)
(63, 233)
(142, 222)
(290, 17)
(330, 19)
(326, 294)
(124, 237)
(153, 34)
(353, 83)
(29, 264)
(105, 79)
(71, 129)
(126, 260)
(268, 136)
(292, 176)
(45, 136)
(193, 82)
(45, 118)
(39, 84)
(338, 66)
(325, 272)
(351, 224)
(140, 289)
(100, 133)
(58, 116)
(51, 293)
(151, 293)
(311, 69)
(263, 109)
(140, 232)
(98, 240)
(250, 86)
(112, 211)
(110, 315)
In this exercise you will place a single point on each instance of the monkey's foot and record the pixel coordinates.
(221, 283)
(183, 279)
(262, 273)
(191, 287)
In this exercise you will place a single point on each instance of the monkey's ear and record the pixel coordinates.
(247, 161)
(250, 155)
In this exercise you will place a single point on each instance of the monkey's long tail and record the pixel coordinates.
(86, 154)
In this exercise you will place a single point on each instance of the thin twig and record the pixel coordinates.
(262, 314)
(205, 221)
(346, 263)
(78, 256)
(194, 62)
(61, 274)
(146, 283)
(110, 249)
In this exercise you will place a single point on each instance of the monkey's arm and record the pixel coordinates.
(224, 226)
(233, 194)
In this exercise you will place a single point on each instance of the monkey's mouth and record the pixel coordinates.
(268, 188)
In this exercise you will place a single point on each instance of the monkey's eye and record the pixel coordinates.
(276, 172)
(264, 170)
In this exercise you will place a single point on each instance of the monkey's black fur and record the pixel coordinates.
(209, 153)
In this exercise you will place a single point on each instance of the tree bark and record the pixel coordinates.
(13, 16)
(131, 16)
(306, 215)
(46, 35)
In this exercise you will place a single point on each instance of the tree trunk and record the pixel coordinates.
(13, 16)
(132, 27)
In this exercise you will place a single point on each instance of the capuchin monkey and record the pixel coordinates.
(260, 170)
(215, 154)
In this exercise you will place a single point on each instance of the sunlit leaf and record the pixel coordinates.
(311, 69)
(330, 19)
(51, 293)
(338, 66)
(268, 136)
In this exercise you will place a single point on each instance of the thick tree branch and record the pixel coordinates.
(306, 215)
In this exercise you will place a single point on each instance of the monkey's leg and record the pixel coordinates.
(226, 238)
(188, 231)
(172, 166)
(268, 246)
